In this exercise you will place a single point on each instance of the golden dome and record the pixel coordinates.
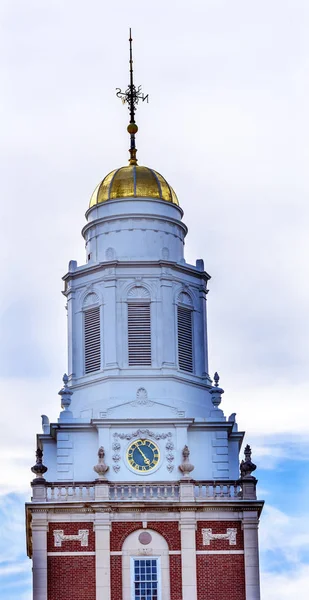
(133, 182)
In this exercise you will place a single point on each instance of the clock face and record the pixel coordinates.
(143, 455)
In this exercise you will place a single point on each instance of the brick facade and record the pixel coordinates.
(220, 576)
(175, 577)
(71, 578)
(116, 577)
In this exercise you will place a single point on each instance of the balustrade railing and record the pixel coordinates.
(146, 491)
(201, 491)
(212, 490)
(64, 492)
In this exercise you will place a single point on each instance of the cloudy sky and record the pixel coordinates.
(227, 125)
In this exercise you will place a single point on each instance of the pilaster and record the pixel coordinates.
(187, 526)
(39, 528)
(251, 548)
(102, 527)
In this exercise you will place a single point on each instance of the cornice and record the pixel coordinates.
(147, 375)
(93, 268)
(135, 216)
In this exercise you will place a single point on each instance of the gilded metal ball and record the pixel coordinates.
(132, 128)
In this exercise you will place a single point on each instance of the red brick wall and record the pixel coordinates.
(175, 577)
(169, 530)
(70, 529)
(116, 577)
(119, 533)
(219, 527)
(220, 577)
(71, 578)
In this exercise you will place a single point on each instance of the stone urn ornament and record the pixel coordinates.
(186, 466)
(39, 469)
(101, 468)
(247, 466)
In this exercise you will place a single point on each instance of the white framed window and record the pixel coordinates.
(185, 338)
(139, 334)
(145, 578)
(92, 340)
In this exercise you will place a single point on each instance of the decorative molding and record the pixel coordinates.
(60, 537)
(145, 551)
(110, 254)
(185, 298)
(143, 434)
(116, 468)
(230, 535)
(138, 292)
(141, 398)
(91, 299)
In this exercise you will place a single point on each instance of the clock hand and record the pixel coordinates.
(146, 460)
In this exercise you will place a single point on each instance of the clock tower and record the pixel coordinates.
(137, 492)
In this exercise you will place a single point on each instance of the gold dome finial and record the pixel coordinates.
(131, 96)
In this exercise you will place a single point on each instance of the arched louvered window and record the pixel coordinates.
(92, 339)
(139, 328)
(185, 334)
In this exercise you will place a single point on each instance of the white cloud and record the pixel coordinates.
(284, 586)
(286, 536)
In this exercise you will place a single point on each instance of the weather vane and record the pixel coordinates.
(132, 96)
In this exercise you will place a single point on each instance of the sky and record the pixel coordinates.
(227, 125)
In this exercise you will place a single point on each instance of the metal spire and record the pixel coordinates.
(131, 96)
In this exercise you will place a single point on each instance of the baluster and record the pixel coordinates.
(52, 493)
(151, 491)
(173, 491)
(159, 491)
(207, 490)
(165, 491)
(221, 490)
(144, 491)
(122, 493)
(130, 491)
(200, 490)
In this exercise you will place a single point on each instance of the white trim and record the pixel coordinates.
(132, 559)
(220, 552)
(116, 553)
(174, 552)
(70, 553)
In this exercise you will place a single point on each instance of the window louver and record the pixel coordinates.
(185, 346)
(139, 334)
(92, 339)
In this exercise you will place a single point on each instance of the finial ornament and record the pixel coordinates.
(132, 96)
(101, 468)
(65, 394)
(38, 469)
(247, 466)
(186, 466)
(216, 379)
